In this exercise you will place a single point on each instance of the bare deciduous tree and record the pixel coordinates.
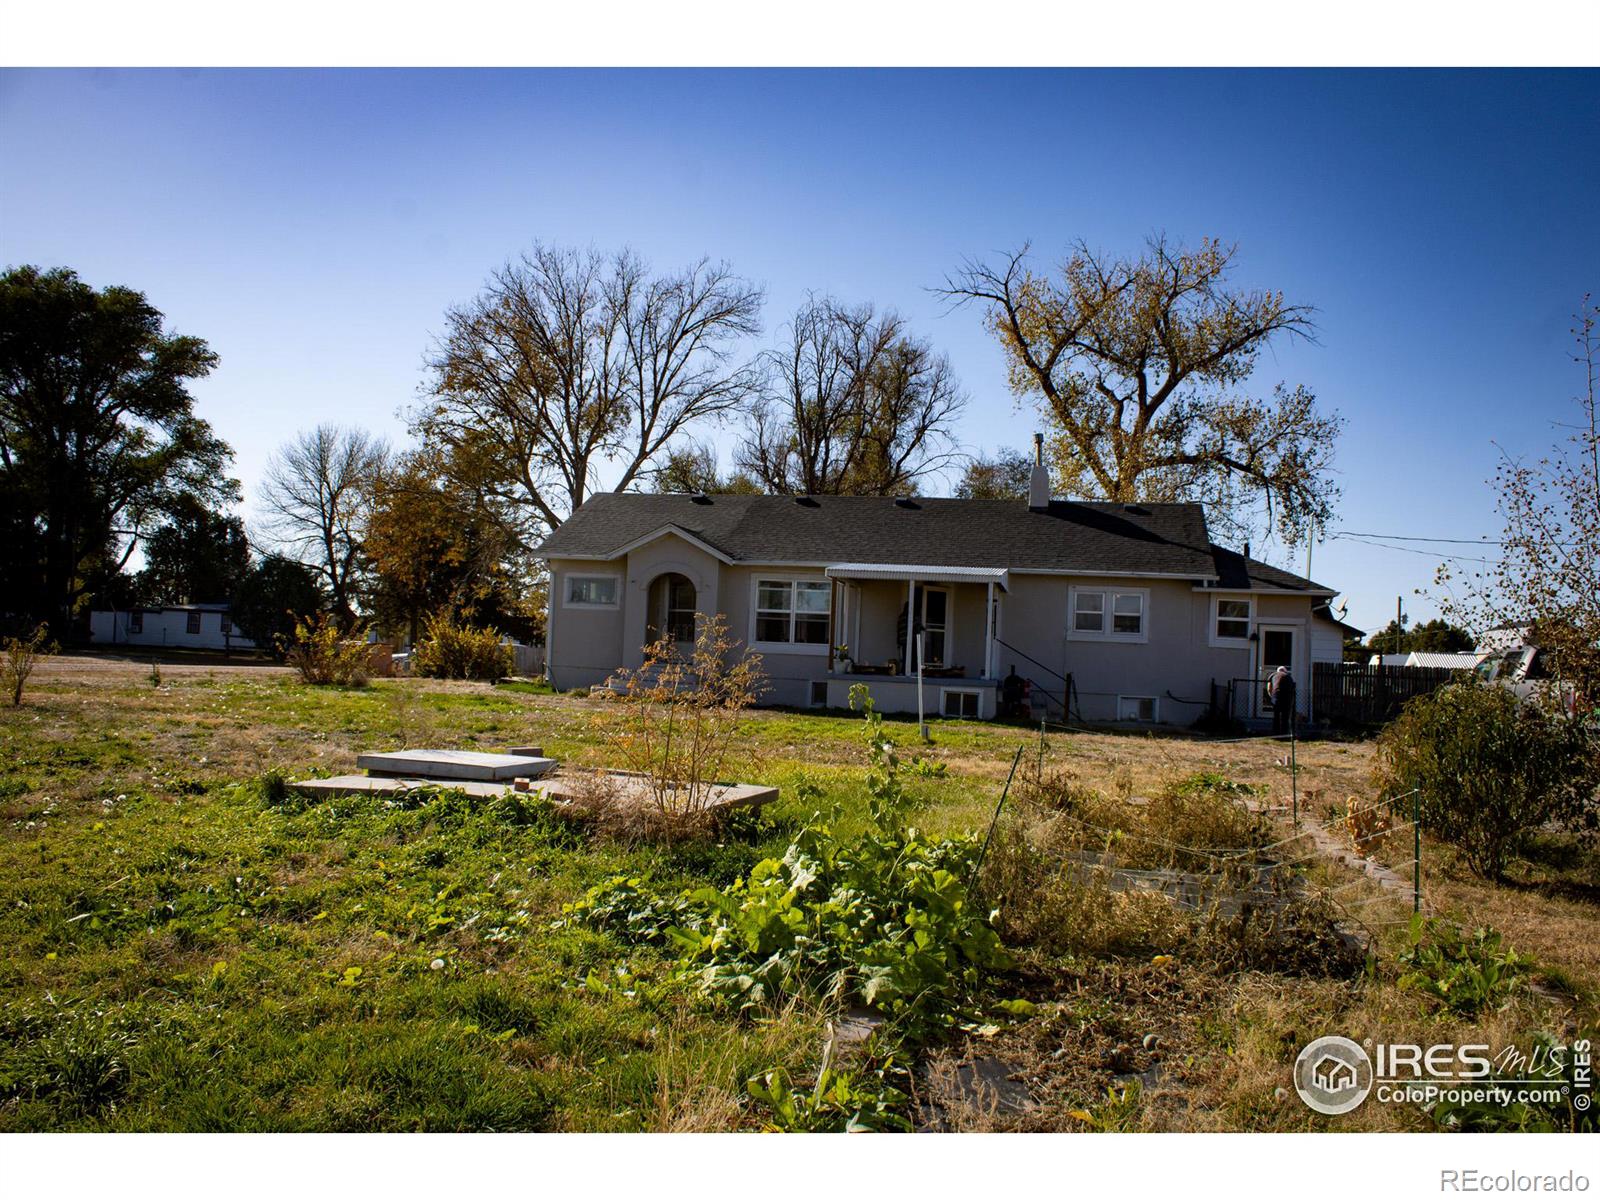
(1548, 572)
(854, 405)
(316, 493)
(1139, 362)
(569, 361)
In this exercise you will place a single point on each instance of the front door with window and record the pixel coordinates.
(672, 608)
(1277, 649)
(933, 611)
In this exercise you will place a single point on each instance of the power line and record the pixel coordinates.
(1398, 537)
(1435, 555)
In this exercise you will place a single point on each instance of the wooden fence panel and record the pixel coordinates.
(1358, 694)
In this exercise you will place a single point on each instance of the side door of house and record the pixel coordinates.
(1279, 647)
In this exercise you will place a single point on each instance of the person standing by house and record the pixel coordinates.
(1280, 692)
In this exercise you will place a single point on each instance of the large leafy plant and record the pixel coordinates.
(884, 919)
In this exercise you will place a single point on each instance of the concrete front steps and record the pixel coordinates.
(466, 765)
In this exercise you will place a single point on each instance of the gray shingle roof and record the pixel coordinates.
(1234, 570)
(1070, 536)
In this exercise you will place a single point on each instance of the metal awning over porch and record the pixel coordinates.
(921, 573)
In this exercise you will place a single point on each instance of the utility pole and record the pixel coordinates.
(1399, 622)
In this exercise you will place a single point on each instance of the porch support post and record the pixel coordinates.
(855, 619)
(549, 626)
(911, 619)
(833, 608)
(988, 633)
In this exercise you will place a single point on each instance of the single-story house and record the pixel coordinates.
(1125, 612)
(182, 626)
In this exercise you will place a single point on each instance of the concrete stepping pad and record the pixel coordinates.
(453, 765)
(375, 785)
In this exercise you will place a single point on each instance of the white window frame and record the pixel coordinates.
(811, 693)
(975, 693)
(1216, 639)
(566, 591)
(1108, 610)
(756, 580)
(193, 624)
(1155, 710)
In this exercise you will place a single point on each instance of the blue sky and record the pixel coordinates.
(314, 225)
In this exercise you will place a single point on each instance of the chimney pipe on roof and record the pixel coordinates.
(1039, 482)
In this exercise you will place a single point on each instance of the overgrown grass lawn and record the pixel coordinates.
(190, 948)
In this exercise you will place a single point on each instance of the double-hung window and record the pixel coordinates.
(793, 611)
(1089, 612)
(1233, 620)
(592, 591)
(1127, 613)
(1109, 614)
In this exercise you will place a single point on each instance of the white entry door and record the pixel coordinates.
(1280, 647)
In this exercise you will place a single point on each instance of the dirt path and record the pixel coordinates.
(70, 666)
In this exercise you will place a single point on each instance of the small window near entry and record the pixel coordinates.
(1089, 612)
(1136, 708)
(136, 622)
(194, 622)
(819, 693)
(1233, 619)
(960, 704)
(592, 591)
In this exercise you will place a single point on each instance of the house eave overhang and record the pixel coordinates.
(920, 573)
(1082, 573)
(1215, 589)
(698, 543)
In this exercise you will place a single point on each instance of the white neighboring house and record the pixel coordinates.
(1458, 660)
(179, 626)
(1461, 660)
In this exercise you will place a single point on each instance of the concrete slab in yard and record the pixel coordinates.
(373, 785)
(453, 765)
(724, 795)
(561, 792)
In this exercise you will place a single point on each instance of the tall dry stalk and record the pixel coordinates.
(19, 656)
(681, 713)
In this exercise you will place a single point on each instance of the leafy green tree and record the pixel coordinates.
(1004, 477)
(272, 598)
(197, 557)
(1435, 635)
(98, 436)
(433, 550)
(692, 468)
(1490, 769)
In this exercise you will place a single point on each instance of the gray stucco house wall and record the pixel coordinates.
(1133, 603)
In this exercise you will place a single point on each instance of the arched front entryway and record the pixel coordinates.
(671, 611)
